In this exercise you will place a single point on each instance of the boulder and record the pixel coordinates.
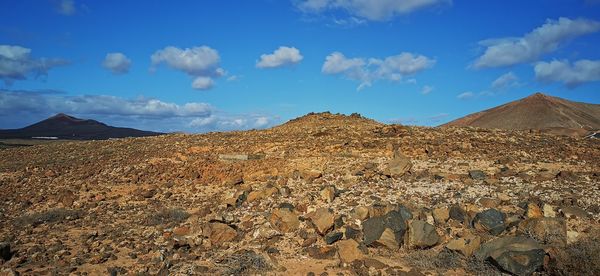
(311, 175)
(441, 215)
(398, 166)
(360, 213)
(332, 237)
(490, 220)
(466, 246)
(457, 213)
(549, 211)
(550, 231)
(534, 211)
(349, 251)
(518, 255)
(387, 230)
(487, 202)
(322, 219)
(5, 252)
(421, 234)
(322, 252)
(477, 175)
(284, 220)
(328, 194)
(219, 233)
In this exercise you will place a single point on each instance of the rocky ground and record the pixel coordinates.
(323, 194)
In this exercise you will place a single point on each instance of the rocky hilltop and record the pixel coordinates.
(324, 194)
(538, 111)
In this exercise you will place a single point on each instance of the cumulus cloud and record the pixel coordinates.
(505, 81)
(542, 40)
(465, 95)
(426, 89)
(19, 108)
(66, 7)
(16, 63)
(117, 63)
(202, 63)
(375, 10)
(283, 56)
(571, 75)
(367, 71)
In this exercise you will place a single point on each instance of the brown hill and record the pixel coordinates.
(537, 111)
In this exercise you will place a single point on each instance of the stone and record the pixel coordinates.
(375, 227)
(284, 220)
(351, 233)
(5, 252)
(490, 220)
(322, 252)
(349, 251)
(457, 213)
(534, 211)
(465, 246)
(441, 215)
(421, 234)
(67, 198)
(328, 194)
(398, 165)
(518, 255)
(550, 231)
(311, 175)
(572, 237)
(219, 233)
(574, 212)
(332, 237)
(360, 213)
(233, 180)
(369, 262)
(477, 175)
(487, 202)
(322, 219)
(549, 211)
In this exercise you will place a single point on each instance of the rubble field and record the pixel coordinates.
(323, 194)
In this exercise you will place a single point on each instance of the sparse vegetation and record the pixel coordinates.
(579, 258)
(167, 216)
(50, 216)
(245, 262)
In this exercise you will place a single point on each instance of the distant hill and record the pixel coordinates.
(63, 126)
(540, 112)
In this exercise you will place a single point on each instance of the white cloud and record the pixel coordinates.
(542, 40)
(16, 63)
(225, 122)
(426, 89)
(202, 63)
(465, 95)
(283, 56)
(117, 63)
(505, 81)
(367, 71)
(66, 7)
(375, 10)
(571, 75)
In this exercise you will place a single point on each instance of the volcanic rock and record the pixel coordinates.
(518, 255)
(551, 231)
(490, 220)
(421, 234)
(284, 220)
(348, 251)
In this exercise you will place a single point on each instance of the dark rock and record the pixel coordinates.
(332, 237)
(490, 220)
(5, 252)
(477, 175)
(324, 252)
(457, 213)
(374, 227)
(352, 233)
(518, 255)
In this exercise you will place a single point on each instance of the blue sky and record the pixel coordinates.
(200, 66)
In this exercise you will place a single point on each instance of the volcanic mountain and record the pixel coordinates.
(538, 111)
(63, 126)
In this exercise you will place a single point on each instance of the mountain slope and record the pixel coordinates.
(64, 126)
(537, 111)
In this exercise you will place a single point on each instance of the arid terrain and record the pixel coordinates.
(324, 194)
